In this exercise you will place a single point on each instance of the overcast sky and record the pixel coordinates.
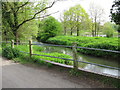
(66, 4)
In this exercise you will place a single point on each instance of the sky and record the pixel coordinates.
(66, 4)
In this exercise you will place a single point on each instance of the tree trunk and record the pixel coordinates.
(93, 33)
(92, 30)
(16, 36)
(16, 39)
(65, 31)
(15, 23)
(5, 34)
(77, 25)
(95, 26)
(98, 29)
(77, 31)
(71, 32)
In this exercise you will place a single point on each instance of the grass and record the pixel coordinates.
(38, 49)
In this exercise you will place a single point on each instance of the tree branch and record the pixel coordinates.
(10, 6)
(22, 5)
(46, 15)
(36, 14)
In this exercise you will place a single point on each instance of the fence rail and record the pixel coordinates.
(77, 61)
(74, 48)
(68, 47)
(79, 47)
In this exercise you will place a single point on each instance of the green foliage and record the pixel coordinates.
(115, 12)
(76, 18)
(28, 30)
(38, 49)
(50, 27)
(108, 29)
(25, 48)
(3, 45)
(19, 19)
(54, 59)
(91, 42)
(10, 53)
(49, 65)
(74, 72)
(0, 50)
(16, 60)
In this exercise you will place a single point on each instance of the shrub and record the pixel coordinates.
(49, 27)
(16, 52)
(10, 53)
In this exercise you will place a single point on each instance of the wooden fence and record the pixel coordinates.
(75, 57)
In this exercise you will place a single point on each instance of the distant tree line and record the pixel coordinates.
(76, 20)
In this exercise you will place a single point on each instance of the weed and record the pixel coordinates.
(74, 72)
(49, 65)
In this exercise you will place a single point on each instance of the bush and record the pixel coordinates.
(49, 27)
(10, 53)
(5, 44)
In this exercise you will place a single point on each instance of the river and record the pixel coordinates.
(87, 58)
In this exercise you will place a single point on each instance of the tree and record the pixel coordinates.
(12, 11)
(69, 20)
(115, 13)
(76, 18)
(108, 29)
(49, 27)
(28, 31)
(63, 19)
(96, 14)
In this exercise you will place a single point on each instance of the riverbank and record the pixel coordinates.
(90, 42)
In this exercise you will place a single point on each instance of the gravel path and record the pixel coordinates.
(15, 75)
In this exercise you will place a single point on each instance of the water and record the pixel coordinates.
(92, 59)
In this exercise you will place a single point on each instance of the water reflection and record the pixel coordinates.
(102, 70)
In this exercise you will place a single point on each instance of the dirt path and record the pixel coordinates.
(15, 75)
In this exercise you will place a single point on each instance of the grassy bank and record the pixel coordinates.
(91, 42)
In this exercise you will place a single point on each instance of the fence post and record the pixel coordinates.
(12, 43)
(75, 58)
(30, 48)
